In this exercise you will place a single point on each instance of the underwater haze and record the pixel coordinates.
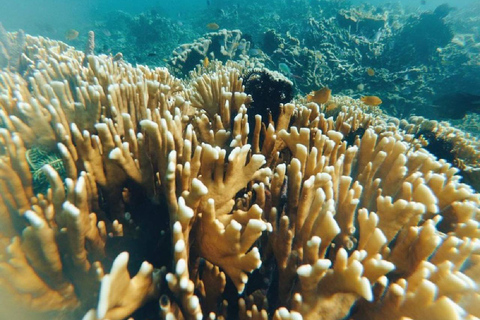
(26, 14)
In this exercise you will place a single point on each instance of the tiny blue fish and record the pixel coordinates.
(283, 67)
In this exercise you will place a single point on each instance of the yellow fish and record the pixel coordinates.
(370, 72)
(371, 100)
(320, 96)
(331, 106)
(206, 62)
(212, 26)
(71, 34)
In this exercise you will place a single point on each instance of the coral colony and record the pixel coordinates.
(168, 199)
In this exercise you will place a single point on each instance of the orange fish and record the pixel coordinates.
(320, 96)
(371, 100)
(212, 26)
(206, 62)
(331, 106)
(71, 34)
(370, 72)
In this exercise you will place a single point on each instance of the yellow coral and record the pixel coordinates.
(377, 223)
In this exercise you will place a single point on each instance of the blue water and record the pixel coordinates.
(147, 32)
(54, 17)
(417, 62)
(61, 14)
(30, 15)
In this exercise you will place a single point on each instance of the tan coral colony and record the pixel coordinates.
(300, 222)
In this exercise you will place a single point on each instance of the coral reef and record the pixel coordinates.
(450, 144)
(166, 211)
(418, 40)
(361, 22)
(147, 38)
(268, 89)
(416, 57)
(222, 45)
(409, 58)
(11, 46)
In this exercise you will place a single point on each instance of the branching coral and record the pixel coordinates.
(450, 144)
(315, 218)
(11, 47)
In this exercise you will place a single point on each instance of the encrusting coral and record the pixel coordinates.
(167, 211)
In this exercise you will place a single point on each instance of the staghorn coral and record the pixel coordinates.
(317, 217)
(11, 47)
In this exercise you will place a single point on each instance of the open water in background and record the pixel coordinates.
(35, 16)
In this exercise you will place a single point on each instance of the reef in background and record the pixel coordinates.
(409, 59)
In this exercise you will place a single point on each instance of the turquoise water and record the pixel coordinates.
(418, 57)
(402, 59)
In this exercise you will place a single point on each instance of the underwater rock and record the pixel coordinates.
(418, 41)
(271, 41)
(361, 22)
(222, 45)
(268, 89)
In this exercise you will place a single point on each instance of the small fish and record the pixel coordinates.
(206, 62)
(371, 100)
(213, 26)
(152, 54)
(330, 107)
(254, 52)
(106, 32)
(299, 78)
(71, 34)
(443, 10)
(320, 96)
(370, 72)
(283, 67)
(208, 2)
(423, 2)
(378, 35)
